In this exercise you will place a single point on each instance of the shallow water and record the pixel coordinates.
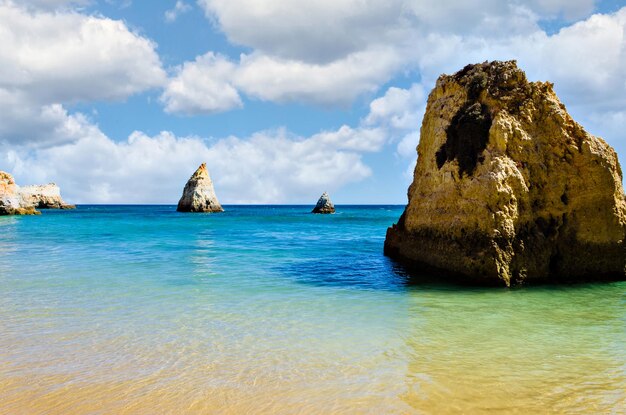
(142, 310)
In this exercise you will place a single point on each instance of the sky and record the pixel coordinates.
(119, 101)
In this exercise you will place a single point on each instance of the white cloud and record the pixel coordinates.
(210, 84)
(331, 52)
(271, 166)
(399, 108)
(323, 31)
(202, 86)
(326, 53)
(401, 112)
(310, 31)
(407, 147)
(353, 139)
(48, 59)
(335, 83)
(585, 60)
(66, 56)
(268, 167)
(31, 125)
(179, 8)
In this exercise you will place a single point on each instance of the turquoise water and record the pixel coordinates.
(266, 309)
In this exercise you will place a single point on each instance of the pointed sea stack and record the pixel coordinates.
(324, 205)
(199, 195)
(508, 188)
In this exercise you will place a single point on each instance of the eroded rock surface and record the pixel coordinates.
(16, 200)
(199, 195)
(47, 196)
(324, 205)
(508, 188)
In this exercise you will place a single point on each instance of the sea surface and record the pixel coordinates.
(272, 310)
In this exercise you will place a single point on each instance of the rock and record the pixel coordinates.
(508, 188)
(9, 196)
(199, 195)
(4, 211)
(324, 205)
(16, 200)
(47, 196)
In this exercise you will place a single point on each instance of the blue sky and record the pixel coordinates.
(118, 101)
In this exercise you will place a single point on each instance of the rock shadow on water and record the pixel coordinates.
(346, 272)
(376, 274)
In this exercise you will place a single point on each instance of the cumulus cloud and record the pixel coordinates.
(326, 30)
(202, 86)
(273, 166)
(179, 8)
(326, 53)
(268, 167)
(210, 84)
(332, 52)
(400, 111)
(48, 59)
(399, 108)
(313, 31)
(587, 59)
(68, 57)
(31, 125)
(335, 83)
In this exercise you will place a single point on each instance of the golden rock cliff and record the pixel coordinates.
(508, 188)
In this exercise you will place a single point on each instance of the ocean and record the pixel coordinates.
(273, 310)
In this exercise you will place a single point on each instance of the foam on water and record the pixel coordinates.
(139, 309)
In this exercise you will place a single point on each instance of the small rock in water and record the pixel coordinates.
(199, 195)
(324, 205)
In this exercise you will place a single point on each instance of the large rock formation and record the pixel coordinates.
(199, 195)
(16, 200)
(508, 188)
(324, 205)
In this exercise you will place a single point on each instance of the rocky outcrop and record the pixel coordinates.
(324, 205)
(199, 195)
(47, 196)
(508, 188)
(16, 200)
(10, 200)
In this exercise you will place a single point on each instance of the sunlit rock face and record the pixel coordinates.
(198, 194)
(508, 188)
(324, 205)
(16, 200)
(47, 196)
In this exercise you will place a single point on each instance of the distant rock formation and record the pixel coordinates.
(199, 195)
(16, 200)
(324, 205)
(508, 188)
(47, 196)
